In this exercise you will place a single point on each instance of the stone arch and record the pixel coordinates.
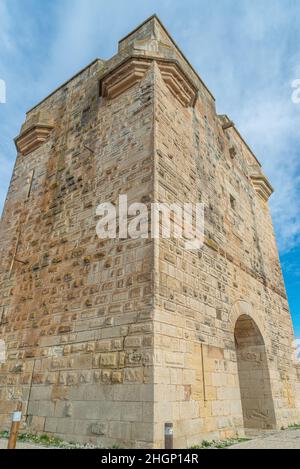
(241, 307)
(253, 373)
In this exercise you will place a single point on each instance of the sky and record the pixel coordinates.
(247, 52)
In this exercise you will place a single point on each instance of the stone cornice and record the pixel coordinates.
(178, 83)
(34, 132)
(153, 35)
(33, 137)
(123, 77)
(261, 185)
(132, 70)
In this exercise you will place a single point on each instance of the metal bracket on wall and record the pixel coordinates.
(203, 375)
(14, 258)
(30, 183)
(89, 149)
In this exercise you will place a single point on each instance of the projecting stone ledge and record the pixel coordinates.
(133, 70)
(261, 184)
(34, 133)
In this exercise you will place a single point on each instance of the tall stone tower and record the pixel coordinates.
(108, 340)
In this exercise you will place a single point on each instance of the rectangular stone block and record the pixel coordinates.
(109, 360)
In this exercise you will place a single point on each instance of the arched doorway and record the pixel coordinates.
(254, 378)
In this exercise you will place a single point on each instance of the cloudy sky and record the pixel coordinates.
(247, 52)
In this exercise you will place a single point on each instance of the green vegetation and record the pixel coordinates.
(219, 444)
(294, 426)
(49, 441)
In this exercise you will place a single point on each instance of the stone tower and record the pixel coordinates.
(108, 340)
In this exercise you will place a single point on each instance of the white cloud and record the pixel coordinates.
(87, 29)
(5, 23)
(248, 61)
(247, 58)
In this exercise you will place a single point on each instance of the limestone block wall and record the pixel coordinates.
(76, 312)
(200, 295)
(108, 340)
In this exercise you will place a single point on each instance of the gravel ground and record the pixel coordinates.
(21, 445)
(286, 439)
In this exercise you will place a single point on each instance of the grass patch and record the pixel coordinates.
(294, 426)
(44, 440)
(215, 444)
(49, 441)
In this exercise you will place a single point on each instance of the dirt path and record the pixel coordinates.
(286, 439)
(21, 445)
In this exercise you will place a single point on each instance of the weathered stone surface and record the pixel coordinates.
(110, 339)
(98, 428)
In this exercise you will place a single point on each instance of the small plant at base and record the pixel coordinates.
(219, 444)
(205, 444)
(46, 440)
(294, 426)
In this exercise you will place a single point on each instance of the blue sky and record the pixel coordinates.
(247, 52)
